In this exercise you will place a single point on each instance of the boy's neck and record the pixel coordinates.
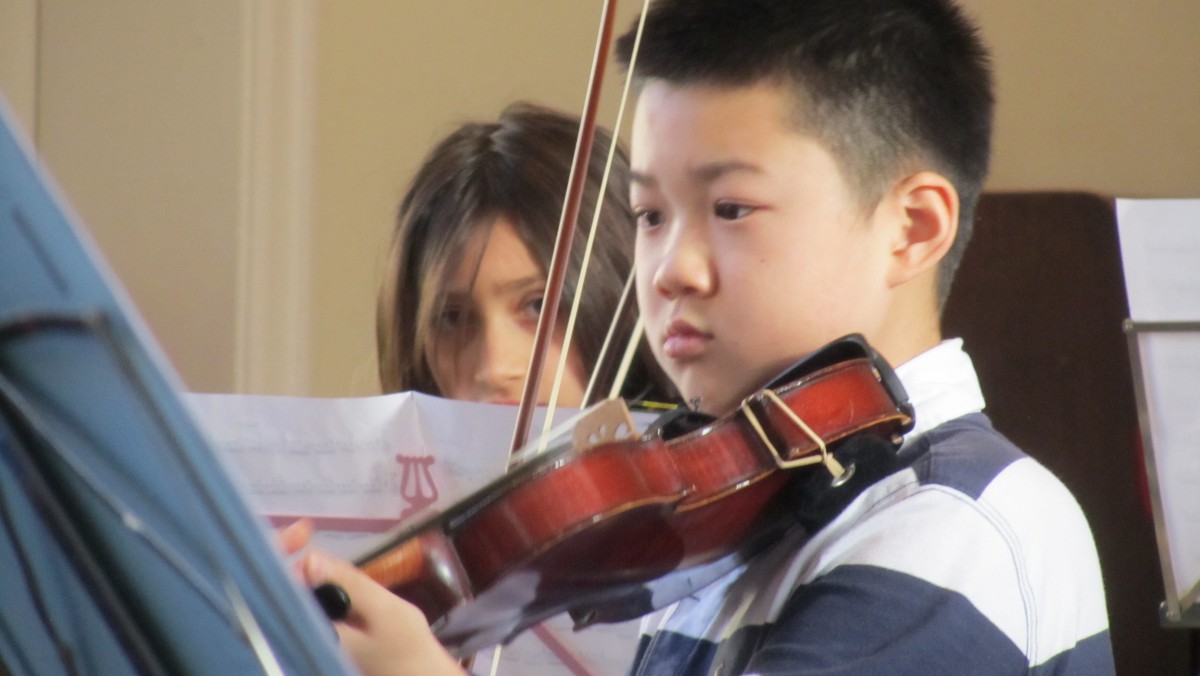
(912, 328)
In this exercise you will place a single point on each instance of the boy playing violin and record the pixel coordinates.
(802, 170)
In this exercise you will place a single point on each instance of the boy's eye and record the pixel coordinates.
(732, 211)
(649, 218)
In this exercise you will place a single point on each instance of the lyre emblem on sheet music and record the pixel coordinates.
(417, 486)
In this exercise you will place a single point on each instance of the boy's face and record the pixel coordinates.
(751, 249)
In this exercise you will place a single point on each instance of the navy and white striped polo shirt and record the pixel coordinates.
(974, 559)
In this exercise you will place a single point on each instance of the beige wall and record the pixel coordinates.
(180, 134)
(136, 114)
(1100, 95)
(18, 47)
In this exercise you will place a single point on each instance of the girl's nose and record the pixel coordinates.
(503, 359)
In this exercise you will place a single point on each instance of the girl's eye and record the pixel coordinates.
(452, 318)
(533, 306)
(649, 218)
(732, 211)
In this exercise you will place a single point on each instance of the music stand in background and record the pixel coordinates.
(1160, 251)
(1039, 301)
(1165, 357)
(124, 546)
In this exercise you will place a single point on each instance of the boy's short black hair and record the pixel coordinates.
(890, 86)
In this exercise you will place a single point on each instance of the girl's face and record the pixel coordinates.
(480, 345)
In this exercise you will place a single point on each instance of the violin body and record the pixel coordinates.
(616, 529)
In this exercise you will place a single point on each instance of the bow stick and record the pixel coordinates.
(556, 276)
(635, 336)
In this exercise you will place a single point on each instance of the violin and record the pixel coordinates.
(615, 525)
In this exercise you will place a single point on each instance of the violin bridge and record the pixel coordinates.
(606, 422)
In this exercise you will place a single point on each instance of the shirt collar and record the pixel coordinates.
(941, 384)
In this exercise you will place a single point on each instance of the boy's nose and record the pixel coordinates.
(684, 264)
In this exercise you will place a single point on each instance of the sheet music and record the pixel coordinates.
(1160, 248)
(1160, 251)
(362, 466)
(364, 458)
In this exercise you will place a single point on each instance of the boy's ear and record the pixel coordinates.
(927, 207)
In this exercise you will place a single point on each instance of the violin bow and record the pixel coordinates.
(562, 248)
(556, 276)
(619, 377)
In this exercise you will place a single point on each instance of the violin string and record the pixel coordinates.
(569, 332)
(618, 381)
(635, 337)
(587, 255)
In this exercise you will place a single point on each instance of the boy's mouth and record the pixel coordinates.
(683, 341)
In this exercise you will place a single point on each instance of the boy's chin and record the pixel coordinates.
(710, 402)
(707, 392)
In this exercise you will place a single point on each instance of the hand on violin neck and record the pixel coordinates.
(382, 633)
